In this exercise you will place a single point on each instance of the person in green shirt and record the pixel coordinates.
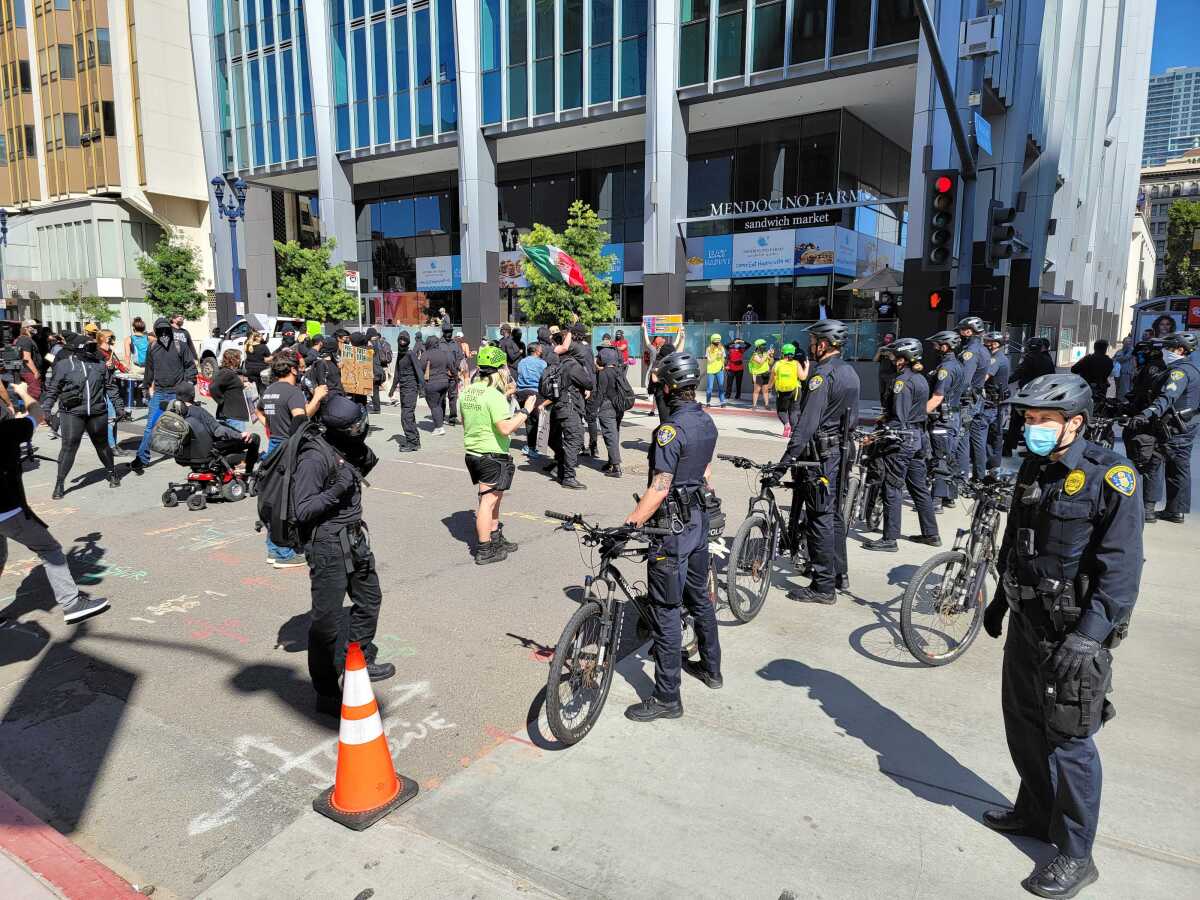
(760, 364)
(716, 370)
(488, 423)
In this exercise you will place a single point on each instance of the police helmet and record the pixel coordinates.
(907, 349)
(1180, 340)
(832, 330)
(678, 370)
(952, 338)
(973, 322)
(1068, 394)
(344, 416)
(995, 337)
(491, 358)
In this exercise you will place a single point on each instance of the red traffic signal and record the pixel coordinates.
(942, 184)
(935, 299)
(942, 187)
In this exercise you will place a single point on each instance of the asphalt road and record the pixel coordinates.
(173, 735)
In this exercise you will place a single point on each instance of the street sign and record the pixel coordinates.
(983, 134)
(352, 281)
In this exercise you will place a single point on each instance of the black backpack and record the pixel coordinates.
(623, 396)
(383, 352)
(276, 507)
(550, 384)
(171, 434)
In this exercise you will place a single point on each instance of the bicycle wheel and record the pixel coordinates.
(937, 618)
(850, 501)
(581, 673)
(748, 578)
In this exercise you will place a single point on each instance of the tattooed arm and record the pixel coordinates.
(655, 494)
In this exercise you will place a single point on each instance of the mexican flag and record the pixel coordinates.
(555, 264)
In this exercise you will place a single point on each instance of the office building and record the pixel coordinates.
(1139, 281)
(1172, 115)
(100, 149)
(760, 154)
(1162, 185)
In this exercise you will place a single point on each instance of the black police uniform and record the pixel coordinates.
(1071, 560)
(945, 425)
(904, 408)
(683, 447)
(328, 505)
(1177, 390)
(972, 442)
(828, 411)
(996, 409)
(409, 381)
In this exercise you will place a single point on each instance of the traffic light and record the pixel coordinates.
(942, 193)
(941, 300)
(1000, 233)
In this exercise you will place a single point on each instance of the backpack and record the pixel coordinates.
(171, 433)
(787, 376)
(623, 396)
(273, 488)
(383, 352)
(550, 384)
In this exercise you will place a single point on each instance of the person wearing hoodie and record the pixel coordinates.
(169, 363)
(409, 381)
(83, 387)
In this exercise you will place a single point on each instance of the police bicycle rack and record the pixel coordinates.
(585, 656)
(762, 537)
(942, 609)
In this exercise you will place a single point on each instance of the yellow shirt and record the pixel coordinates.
(716, 358)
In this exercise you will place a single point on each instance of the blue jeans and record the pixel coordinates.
(112, 423)
(273, 550)
(717, 380)
(236, 424)
(160, 401)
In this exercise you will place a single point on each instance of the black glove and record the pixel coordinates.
(1075, 651)
(993, 616)
(1136, 422)
(343, 478)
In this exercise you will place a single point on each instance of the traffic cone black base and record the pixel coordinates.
(361, 821)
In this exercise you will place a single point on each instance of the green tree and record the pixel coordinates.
(309, 287)
(86, 307)
(1183, 260)
(550, 302)
(171, 273)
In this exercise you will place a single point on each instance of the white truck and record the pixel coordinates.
(234, 337)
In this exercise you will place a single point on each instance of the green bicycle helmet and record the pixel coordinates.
(760, 343)
(715, 339)
(490, 357)
(788, 349)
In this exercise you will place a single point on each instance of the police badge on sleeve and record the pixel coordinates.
(1121, 479)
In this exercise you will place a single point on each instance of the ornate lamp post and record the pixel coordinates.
(231, 212)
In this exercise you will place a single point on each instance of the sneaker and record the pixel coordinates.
(83, 607)
(409, 448)
(573, 485)
(809, 595)
(649, 710)
(884, 545)
(696, 670)
(439, 431)
(290, 562)
(614, 472)
(137, 466)
(114, 480)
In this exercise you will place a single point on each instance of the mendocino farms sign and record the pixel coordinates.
(797, 201)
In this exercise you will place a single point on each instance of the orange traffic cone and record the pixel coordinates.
(366, 787)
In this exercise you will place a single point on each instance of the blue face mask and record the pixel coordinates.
(1041, 439)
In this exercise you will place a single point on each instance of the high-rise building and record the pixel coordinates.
(1172, 115)
(99, 149)
(1176, 179)
(757, 154)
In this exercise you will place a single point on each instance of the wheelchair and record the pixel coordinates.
(213, 478)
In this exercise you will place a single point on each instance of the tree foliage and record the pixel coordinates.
(309, 286)
(1182, 275)
(88, 308)
(547, 302)
(171, 273)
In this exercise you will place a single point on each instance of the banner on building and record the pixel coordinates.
(439, 273)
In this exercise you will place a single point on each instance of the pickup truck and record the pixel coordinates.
(234, 337)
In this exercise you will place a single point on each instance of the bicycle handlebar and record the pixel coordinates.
(743, 463)
(577, 521)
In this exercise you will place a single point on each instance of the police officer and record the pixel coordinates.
(1035, 361)
(409, 381)
(1170, 417)
(972, 444)
(905, 409)
(995, 398)
(1071, 563)
(337, 547)
(681, 452)
(947, 382)
(820, 432)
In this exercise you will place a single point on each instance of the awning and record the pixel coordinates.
(886, 279)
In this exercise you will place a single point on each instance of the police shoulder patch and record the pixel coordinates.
(899, 386)
(1074, 483)
(666, 434)
(815, 382)
(1178, 375)
(968, 355)
(1121, 479)
(943, 374)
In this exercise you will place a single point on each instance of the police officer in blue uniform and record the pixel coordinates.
(681, 453)
(905, 409)
(972, 443)
(820, 432)
(1172, 418)
(947, 382)
(1070, 564)
(995, 398)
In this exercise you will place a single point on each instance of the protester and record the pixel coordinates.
(228, 389)
(786, 376)
(529, 375)
(137, 344)
(257, 361)
(735, 366)
(30, 371)
(115, 366)
(409, 382)
(761, 361)
(715, 370)
(168, 365)
(440, 372)
(572, 370)
(622, 345)
(609, 377)
(206, 433)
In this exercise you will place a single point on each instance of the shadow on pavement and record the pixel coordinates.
(883, 641)
(906, 755)
(292, 691)
(461, 526)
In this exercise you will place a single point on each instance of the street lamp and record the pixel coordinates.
(231, 212)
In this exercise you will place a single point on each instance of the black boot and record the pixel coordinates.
(114, 480)
(59, 490)
(1151, 515)
(649, 710)
(490, 552)
(499, 538)
(1063, 877)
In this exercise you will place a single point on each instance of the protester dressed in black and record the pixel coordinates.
(408, 379)
(80, 387)
(439, 374)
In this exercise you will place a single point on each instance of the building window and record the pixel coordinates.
(103, 48)
(601, 88)
(518, 84)
(400, 76)
(62, 5)
(693, 42)
(731, 38)
(898, 22)
(71, 129)
(489, 59)
(362, 118)
(110, 118)
(447, 67)
(633, 48)
(769, 18)
(851, 25)
(424, 48)
(30, 141)
(808, 30)
(382, 96)
(26, 81)
(66, 61)
(572, 54)
(543, 57)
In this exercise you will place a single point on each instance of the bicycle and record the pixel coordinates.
(863, 500)
(585, 656)
(1100, 427)
(942, 609)
(760, 539)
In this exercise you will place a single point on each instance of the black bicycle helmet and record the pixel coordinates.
(973, 322)
(1068, 394)
(832, 330)
(678, 370)
(1185, 340)
(952, 338)
(906, 348)
(1037, 345)
(995, 337)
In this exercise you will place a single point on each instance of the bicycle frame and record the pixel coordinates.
(978, 542)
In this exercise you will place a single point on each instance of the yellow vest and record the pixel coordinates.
(760, 363)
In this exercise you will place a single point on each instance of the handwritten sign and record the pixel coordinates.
(357, 371)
